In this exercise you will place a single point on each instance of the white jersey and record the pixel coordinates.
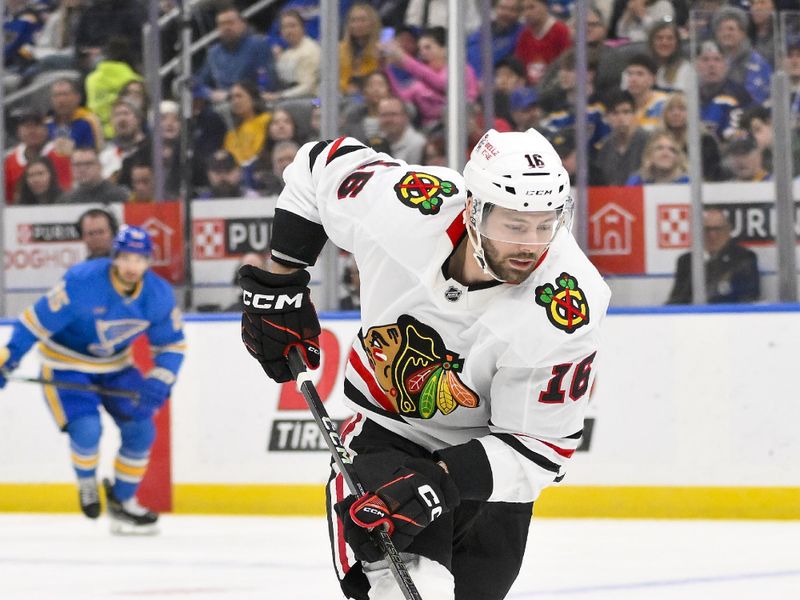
(440, 363)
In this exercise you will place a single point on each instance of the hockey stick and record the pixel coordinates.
(69, 385)
(345, 464)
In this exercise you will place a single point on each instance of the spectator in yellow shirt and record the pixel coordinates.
(358, 50)
(247, 139)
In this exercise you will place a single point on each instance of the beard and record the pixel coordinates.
(224, 189)
(502, 265)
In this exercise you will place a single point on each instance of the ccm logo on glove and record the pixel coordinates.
(271, 301)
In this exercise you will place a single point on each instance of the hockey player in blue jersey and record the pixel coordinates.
(84, 328)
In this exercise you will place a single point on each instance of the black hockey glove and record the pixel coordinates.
(278, 314)
(417, 493)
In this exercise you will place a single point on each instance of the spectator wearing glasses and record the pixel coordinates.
(97, 228)
(663, 161)
(90, 187)
(731, 270)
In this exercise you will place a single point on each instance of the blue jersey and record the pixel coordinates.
(87, 323)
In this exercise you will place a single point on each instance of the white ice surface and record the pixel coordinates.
(66, 557)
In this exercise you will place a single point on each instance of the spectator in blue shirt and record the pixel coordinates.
(506, 28)
(745, 66)
(239, 55)
(721, 100)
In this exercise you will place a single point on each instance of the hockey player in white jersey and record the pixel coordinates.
(480, 320)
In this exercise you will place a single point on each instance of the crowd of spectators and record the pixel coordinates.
(255, 90)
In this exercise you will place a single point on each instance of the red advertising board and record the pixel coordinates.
(616, 229)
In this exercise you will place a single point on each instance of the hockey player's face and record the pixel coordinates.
(129, 267)
(512, 263)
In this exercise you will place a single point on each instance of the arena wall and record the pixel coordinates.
(693, 414)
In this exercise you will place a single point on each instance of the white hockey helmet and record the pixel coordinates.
(516, 171)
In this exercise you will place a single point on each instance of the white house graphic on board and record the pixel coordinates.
(612, 233)
(162, 241)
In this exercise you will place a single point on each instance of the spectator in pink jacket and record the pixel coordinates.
(428, 87)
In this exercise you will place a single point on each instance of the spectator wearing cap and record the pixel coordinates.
(105, 82)
(225, 178)
(745, 161)
(745, 66)
(506, 28)
(663, 161)
(405, 142)
(89, 186)
(31, 132)
(428, 91)
(640, 15)
(731, 270)
(542, 40)
(620, 154)
(525, 110)
(127, 138)
(639, 79)
(71, 125)
(721, 100)
(558, 104)
(239, 55)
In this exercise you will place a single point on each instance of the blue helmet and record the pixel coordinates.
(132, 239)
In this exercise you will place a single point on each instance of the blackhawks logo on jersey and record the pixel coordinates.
(566, 304)
(424, 191)
(415, 369)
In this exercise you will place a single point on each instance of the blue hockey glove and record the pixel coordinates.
(278, 314)
(153, 394)
(414, 495)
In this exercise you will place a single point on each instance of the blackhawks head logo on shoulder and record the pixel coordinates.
(566, 305)
(416, 371)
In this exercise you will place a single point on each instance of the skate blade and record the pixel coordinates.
(125, 528)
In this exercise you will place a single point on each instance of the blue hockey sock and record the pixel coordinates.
(133, 458)
(84, 437)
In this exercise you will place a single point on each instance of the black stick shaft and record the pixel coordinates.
(81, 387)
(345, 464)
